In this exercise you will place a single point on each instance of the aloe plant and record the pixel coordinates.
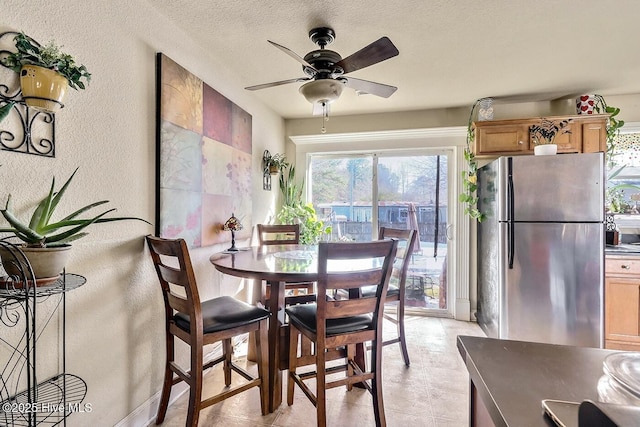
(41, 231)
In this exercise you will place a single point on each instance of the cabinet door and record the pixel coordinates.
(571, 141)
(594, 135)
(502, 139)
(622, 310)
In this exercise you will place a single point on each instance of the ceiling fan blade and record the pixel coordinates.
(378, 51)
(293, 55)
(281, 82)
(373, 88)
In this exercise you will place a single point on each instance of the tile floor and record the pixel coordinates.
(433, 391)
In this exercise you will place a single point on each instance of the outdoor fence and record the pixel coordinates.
(362, 231)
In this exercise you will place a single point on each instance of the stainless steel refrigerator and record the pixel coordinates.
(541, 249)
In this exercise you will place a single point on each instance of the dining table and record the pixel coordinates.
(277, 265)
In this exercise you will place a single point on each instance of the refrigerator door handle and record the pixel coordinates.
(510, 215)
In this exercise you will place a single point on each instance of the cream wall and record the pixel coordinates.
(114, 323)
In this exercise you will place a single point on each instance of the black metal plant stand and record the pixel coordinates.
(24, 399)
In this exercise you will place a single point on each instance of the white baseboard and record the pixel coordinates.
(463, 310)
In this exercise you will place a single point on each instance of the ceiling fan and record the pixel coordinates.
(325, 70)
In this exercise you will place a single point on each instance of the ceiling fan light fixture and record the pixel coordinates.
(322, 90)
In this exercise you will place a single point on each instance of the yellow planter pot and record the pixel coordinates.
(42, 89)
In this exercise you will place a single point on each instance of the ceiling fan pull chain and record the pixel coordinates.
(325, 117)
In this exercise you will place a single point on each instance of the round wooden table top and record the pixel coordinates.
(283, 263)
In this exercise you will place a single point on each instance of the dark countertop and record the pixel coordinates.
(512, 377)
(622, 249)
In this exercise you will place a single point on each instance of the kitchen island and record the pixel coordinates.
(509, 379)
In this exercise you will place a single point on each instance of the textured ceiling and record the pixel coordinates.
(452, 52)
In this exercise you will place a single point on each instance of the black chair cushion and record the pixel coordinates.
(304, 315)
(370, 291)
(222, 313)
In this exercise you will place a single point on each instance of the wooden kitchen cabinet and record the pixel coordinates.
(587, 134)
(622, 303)
(499, 138)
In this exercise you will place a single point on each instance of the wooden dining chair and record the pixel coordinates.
(286, 234)
(342, 323)
(278, 234)
(283, 234)
(199, 323)
(397, 284)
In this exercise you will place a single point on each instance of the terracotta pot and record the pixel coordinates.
(545, 149)
(47, 263)
(42, 89)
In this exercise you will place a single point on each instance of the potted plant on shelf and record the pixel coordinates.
(544, 134)
(45, 242)
(45, 72)
(276, 163)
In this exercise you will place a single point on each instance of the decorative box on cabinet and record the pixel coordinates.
(622, 303)
(27, 396)
(587, 134)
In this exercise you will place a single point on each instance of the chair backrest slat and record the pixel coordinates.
(179, 303)
(278, 234)
(354, 279)
(173, 275)
(351, 307)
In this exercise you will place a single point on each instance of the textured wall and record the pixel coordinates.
(114, 323)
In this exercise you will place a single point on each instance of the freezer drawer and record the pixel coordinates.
(562, 188)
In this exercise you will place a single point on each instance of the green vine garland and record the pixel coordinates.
(469, 197)
(613, 126)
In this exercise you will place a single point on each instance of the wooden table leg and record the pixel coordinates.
(276, 307)
(361, 351)
(258, 291)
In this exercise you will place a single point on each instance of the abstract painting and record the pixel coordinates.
(204, 159)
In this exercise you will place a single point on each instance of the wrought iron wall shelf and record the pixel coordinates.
(37, 135)
(24, 399)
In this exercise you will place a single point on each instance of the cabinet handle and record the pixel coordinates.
(520, 142)
(626, 267)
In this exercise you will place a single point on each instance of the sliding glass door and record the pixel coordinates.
(357, 194)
